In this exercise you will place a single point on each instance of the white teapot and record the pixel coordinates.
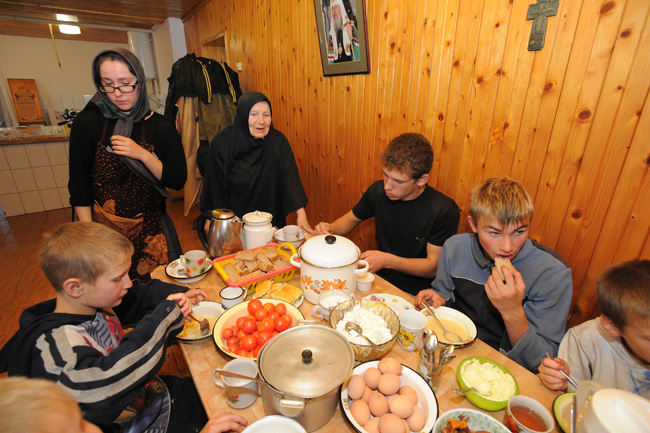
(258, 230)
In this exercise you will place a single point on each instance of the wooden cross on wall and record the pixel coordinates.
(539, 13)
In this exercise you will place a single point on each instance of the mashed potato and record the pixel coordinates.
(192, 329)
(489, 380)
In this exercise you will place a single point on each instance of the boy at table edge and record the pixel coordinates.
(412, 220)
(524, 316)
(77, 340)
(613, 349)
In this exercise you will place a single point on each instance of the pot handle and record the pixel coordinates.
(293, 260)
(292, 404)
(362, 270)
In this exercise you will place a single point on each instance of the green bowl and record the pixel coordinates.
(476, 399)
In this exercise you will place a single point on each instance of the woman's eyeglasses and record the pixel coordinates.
(126, 88)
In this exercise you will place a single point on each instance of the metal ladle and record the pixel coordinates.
(450, 336)
(351, 326)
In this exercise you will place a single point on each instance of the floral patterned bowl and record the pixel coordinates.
(475, 421)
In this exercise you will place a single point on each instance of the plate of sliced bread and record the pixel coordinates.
(281, 291)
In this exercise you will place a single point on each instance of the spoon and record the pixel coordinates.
(351, 326)
(237, 376)
(430, 345)
(463, 391)
(450, 336)
(203, 323)
(446, 355)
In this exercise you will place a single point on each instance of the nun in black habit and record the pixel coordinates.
(251, 167)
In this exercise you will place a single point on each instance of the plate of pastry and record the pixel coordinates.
(281, 291)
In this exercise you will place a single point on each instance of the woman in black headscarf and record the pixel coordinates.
(122, 157)
(251, 167)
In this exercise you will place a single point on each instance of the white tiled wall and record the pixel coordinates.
(34, 177)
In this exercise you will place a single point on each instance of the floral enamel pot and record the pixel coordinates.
(328, 262)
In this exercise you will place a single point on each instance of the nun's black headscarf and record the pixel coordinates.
(139, 110)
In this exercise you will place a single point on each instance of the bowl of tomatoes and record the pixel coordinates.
(242, 330)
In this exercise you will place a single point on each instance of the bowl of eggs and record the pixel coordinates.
(378, 322)
(494, 384)
(389, 397)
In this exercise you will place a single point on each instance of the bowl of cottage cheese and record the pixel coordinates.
(378, 322)
(494, 384)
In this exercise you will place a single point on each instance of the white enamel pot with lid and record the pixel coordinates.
(303, 369)
(328, 262)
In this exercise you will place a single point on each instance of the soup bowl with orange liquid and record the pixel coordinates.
(527, 415)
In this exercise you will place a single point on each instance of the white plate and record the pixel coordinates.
(476, 421)
(172, 271)
(393, 302)
(426, 398)
(453, 316)
(205, 308)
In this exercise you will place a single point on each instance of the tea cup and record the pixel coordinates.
(527, 415)
(291, 233)
(239, 393)
(411, 329)
(327, 301)
(364, 281)
(194, 262)
(231, 296)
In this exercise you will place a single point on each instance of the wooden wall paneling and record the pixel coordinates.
(457, 186)
(436, 114)
(418, 59)
(616, 131)
(451, 143)
(403, 69)
(589, 193)
(513, 77)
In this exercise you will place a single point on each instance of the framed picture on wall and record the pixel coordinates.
(342, 36)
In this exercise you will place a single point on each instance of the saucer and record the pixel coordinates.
(177, 272)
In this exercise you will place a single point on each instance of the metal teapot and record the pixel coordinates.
(224, 234)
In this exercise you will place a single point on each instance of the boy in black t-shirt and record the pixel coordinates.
(412, 220)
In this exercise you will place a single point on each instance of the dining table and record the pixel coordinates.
(204, 357)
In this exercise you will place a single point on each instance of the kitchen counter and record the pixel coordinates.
(202, 358)
(32, 134)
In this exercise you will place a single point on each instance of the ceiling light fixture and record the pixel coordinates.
(69, 30)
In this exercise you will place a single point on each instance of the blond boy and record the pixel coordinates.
(77, 341)
(613, 349)
(524, 316)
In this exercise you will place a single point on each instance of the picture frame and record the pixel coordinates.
(342, 36)
(26, 100)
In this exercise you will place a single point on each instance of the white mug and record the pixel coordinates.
(194, 262)
(327, 301)
(231, 296)
(239, 393)
(291, 233)
(411, 329)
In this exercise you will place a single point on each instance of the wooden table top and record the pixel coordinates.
(203, 358)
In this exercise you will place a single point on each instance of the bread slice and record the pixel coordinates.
(272, 253)
(263, 263)
(251, 266)
(263, 289)
(499, 263)
(248, 255)
(231, 272)
(239, 266)
(287, 293)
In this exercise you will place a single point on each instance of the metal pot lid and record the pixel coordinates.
(306, 361)
(223, 214)
(329, 251)
(257, 217)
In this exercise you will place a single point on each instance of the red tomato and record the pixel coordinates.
(283, 323)
(269, 307)
(241, 334)
(263, 337)
(254, 305)
(239, 321)
(234, 349)
(274, 315)
(235, 329)
(281, 308)
(266, 325)
(243, 353)
(250, 354)
(249, 343)
(261, 314)
(249, 325)
(226, 333)
(232, 341)
(256, 352)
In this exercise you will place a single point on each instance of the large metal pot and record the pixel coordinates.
(328, 262)
(303, 369)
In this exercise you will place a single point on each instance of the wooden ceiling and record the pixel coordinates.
(17, 18)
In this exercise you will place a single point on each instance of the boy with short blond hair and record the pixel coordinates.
(412, 220)
(523, 314)
(77, 340)
(613, 349)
